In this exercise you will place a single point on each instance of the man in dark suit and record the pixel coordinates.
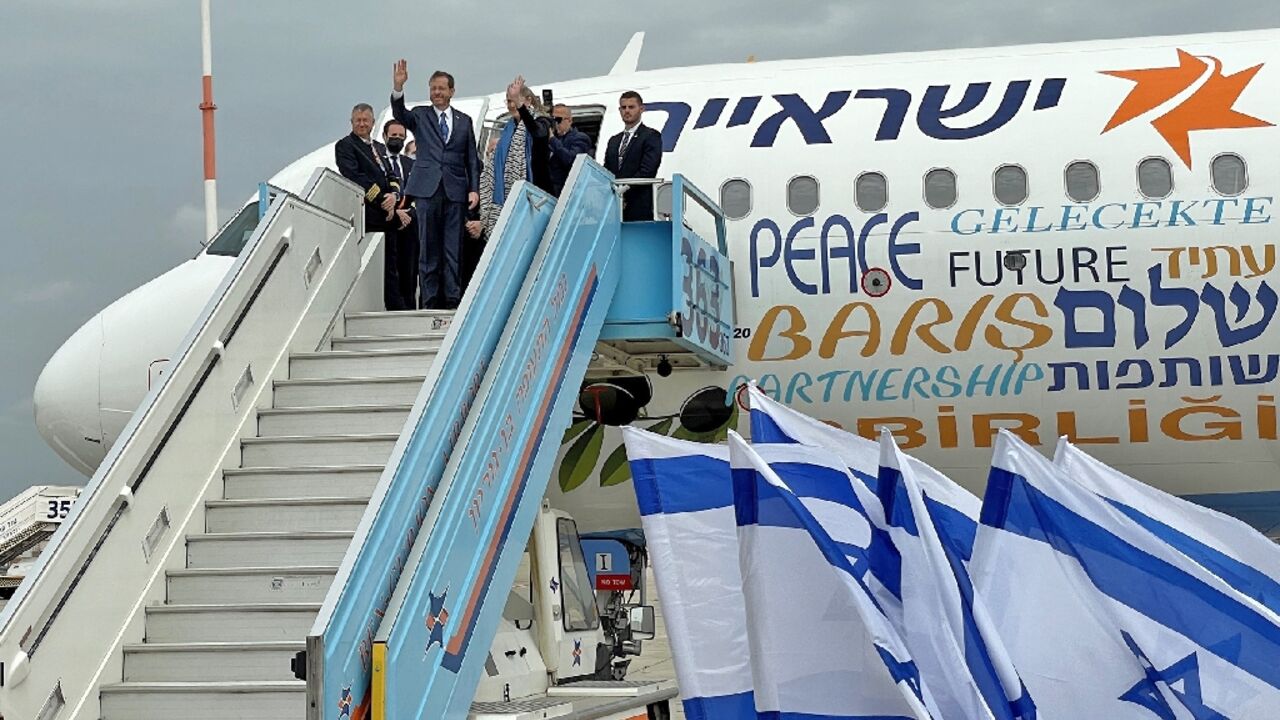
(567, 143)
(636, 152)
(356, 156)
(445, 181)
(400, 247)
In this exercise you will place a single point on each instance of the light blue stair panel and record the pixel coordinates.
(340, 643)
(440, 636)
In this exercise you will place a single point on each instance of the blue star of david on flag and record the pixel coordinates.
(436, 618)
(1181, 678)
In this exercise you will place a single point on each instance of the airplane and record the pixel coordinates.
(1062, 239)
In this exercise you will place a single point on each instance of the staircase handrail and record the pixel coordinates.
(340, 641)
(496, 478)
(124, 530)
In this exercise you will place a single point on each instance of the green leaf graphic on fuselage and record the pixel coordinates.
(616, 469)
(581, 459)
(576, 429)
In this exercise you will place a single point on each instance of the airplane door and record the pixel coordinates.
(586, 118)
(475, 108)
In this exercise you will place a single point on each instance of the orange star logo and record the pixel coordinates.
(1209, 107)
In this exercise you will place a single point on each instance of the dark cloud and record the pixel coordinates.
(101, 188)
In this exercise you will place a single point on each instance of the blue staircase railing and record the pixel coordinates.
(449, 606)
(696, 312)
(339, 646)
(408, 623)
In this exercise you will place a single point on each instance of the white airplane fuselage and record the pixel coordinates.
(1137, 320)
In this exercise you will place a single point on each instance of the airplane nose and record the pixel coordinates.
(67, 399)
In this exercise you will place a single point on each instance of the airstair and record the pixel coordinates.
(311, 471)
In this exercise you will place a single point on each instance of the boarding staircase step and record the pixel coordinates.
(418, 341)
(327, 420)
(210, 662)
(253, 700)
(288, 515)
(358, 390)
(291, 450)
(229, 622)
(250, 585)
(360, 363)
(266, 549)
(240, 611)
(300, 482)
(413, 322)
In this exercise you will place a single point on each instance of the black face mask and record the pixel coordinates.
(395, 145)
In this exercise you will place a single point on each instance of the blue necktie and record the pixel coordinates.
(444, 129)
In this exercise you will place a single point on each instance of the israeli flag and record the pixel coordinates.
(821, 647)
(684, 491)
(685, 494)
(1245, 558)
(914, 569)
(1105, 620)
(945, 623)
(954, 509)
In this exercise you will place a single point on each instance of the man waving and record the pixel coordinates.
(445, 181)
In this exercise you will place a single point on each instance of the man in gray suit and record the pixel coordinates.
(445, 181)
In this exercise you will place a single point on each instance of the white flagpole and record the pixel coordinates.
(206, 108)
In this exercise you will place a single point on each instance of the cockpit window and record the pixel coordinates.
(235, 234)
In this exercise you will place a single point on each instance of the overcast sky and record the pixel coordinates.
(101, 188)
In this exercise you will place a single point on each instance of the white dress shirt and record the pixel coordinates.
(628, 134)
(447, 112)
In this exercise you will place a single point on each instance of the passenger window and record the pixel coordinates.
(940, 188)
(1010, 185)
(1155, 177)
(871, 192)
(1082, 181)
(802, 195)
(735, 198)
(662, 203)
(1230, 176)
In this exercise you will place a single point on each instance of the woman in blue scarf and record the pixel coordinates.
(522, 153)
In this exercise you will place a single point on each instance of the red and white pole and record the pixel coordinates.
(206, 108)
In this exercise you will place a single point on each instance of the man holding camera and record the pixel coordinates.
(567, 143)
